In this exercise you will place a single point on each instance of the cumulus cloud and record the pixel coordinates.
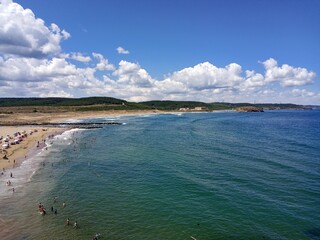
(103, 64)
(252, 81)
(34, 70)
(303, 93)
(131, 74)
(121, 50)
(79, 57)
(207, 76)
(23, 34)
(32, 63)
(288, 76)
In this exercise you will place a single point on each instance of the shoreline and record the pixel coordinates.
(46, 124)
(14, 229)
(54, 117)
(42, 126)
(13, 156)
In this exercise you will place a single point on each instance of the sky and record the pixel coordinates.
(257, 51)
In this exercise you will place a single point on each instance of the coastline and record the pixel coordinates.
(53, 117)
(16, 154)
(22, 122)
(17, 224)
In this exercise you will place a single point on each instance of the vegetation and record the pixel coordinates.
(14, 102)
(173, 105)
(108, 103)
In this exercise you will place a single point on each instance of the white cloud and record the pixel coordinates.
(79, 57)
(26, 69)
(121, 50)
(131, 74)
(288, 76)
(207, 76)
(103, 64)
(303, 93)
(33, 64)
(252, 81)
(23, 34)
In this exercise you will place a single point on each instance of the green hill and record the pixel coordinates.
(12, 102)
(109, 103)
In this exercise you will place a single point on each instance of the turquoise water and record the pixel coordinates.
(197, 176)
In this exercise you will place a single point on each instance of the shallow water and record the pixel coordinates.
(199, 175)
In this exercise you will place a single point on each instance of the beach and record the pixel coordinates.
(16, 123)
(21, 117)
(34, 137)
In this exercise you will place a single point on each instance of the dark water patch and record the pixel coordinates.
(313, 233)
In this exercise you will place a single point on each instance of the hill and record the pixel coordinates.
(8, 105)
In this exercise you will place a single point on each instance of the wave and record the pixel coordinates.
(24, 172)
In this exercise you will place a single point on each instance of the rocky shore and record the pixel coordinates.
(249, 109)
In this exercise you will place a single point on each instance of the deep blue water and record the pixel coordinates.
(197, 176)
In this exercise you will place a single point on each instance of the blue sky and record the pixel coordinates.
(226, 50)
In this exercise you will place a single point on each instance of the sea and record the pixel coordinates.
(198, 176)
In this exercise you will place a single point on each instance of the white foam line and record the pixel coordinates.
(29, 167)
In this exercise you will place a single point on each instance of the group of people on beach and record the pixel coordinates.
(41, 208)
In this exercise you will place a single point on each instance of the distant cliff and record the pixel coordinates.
(249, 109)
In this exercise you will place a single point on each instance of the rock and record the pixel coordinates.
(249, 109)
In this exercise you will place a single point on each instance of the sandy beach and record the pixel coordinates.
(15, 154)
(34, 137)
(19, 116)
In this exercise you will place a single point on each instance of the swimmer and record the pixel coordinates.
(55, 212)
(75, 225)
(95, 237)
(68, 221)
(64, 204)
